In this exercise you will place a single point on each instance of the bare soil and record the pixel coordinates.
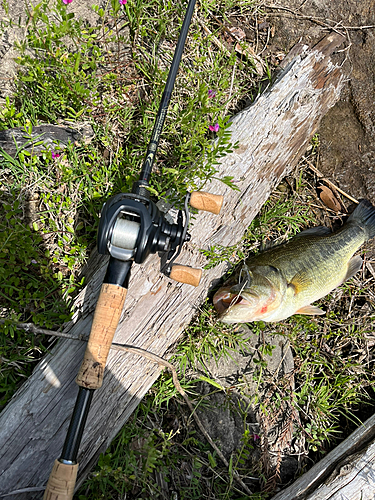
(347, 132)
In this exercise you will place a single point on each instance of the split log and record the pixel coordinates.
(272, 135)
(347, 472)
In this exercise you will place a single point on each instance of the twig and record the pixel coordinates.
(157, 359)
(214, 39)
(319, 174)
(370, 268)
(30, 327)
(253, 53)
(318, 20)
(231, 88)
(323, 207)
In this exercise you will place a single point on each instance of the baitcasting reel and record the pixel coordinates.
(132, 227)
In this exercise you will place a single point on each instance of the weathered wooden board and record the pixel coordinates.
(42, 138)
(346, 473)
(272, 135)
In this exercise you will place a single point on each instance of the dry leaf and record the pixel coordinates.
(329, 199)
(238, 33)
(247, 51)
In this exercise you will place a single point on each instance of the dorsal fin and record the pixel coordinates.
(314, 231)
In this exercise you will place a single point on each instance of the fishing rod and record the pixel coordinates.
(131, 228)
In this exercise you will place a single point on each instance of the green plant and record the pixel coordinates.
(31, 291)
(129, 463)
(204, 338)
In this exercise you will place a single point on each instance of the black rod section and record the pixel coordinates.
(163, 107)
(118, 272)
(77, 425)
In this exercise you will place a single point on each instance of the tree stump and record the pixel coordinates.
(272, 135)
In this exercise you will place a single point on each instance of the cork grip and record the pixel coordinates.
(185, 274)
(61, 482)
(107, 315)
(206, 201)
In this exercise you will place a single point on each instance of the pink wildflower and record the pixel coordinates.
(122, 2)
(214, 128)
(55, 155)
(211, 93)
(67, 1)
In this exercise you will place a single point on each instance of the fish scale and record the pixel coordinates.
(286, 279)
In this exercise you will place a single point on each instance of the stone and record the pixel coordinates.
(247, 401)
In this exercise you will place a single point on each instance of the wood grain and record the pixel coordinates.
(347, 472)
(272, 135)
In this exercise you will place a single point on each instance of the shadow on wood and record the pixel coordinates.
(272, 135)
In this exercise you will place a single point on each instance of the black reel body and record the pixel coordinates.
(132, 227)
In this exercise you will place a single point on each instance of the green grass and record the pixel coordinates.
(112, 76)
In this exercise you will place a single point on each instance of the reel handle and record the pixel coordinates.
(185, 274)
(201, 201)
(61, 482)
(106, 318)
(206, 201)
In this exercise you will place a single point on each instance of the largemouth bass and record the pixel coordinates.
(286, 279)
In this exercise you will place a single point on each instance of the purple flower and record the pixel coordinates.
(211, 93)
(256, 437)
(55, 155)
(214, 128)
(67, 1)
(122, 2)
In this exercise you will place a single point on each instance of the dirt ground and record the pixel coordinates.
(347, 132)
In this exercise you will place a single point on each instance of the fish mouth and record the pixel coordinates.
(224, 299)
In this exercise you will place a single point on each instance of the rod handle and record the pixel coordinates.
(206, 201)
(185, 274)
(61, 482)
(106, 318)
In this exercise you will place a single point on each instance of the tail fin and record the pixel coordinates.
(364, 215)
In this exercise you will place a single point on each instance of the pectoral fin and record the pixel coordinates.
(300, 281)
(310, 310)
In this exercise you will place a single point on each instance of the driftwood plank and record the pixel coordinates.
(272, 134)
(346, 473)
